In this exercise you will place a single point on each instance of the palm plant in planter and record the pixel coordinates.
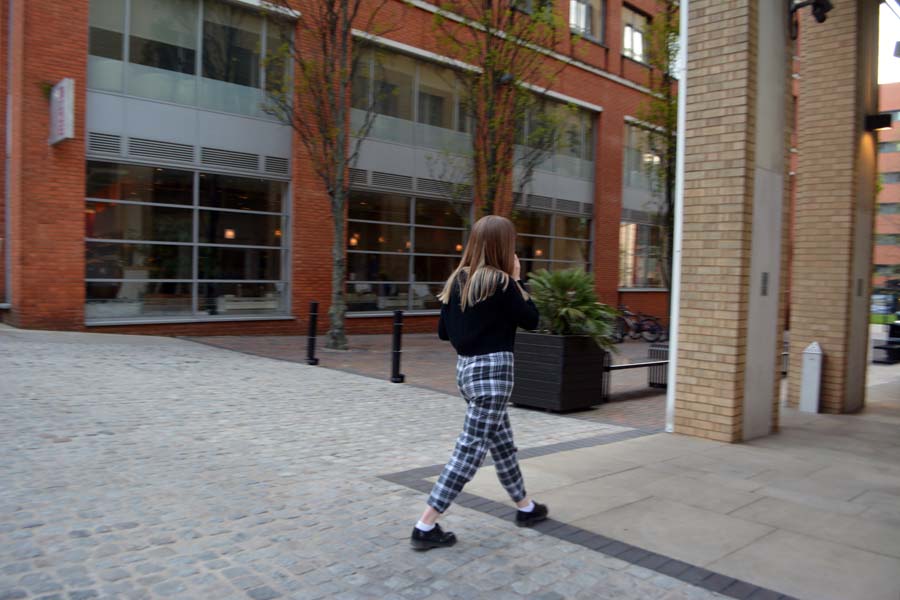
(559, 367)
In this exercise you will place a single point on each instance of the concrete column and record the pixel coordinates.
(836, 178)
(729, 335)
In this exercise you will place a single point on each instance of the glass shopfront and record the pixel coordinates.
(163, 242)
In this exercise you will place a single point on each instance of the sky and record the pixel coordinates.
(889, 35)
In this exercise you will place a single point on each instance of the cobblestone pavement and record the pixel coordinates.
(430, 363)
(141, 467)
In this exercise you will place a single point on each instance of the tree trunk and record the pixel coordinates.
(337, 336)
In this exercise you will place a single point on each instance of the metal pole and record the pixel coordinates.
(311, 336)
(675, 288)
(396, 376)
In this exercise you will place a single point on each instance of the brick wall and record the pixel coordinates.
(830, 117)
(47, 183)
(718, 195)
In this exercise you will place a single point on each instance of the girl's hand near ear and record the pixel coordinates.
(517, 269)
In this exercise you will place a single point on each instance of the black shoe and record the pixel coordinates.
(436, 538)
(527, 519)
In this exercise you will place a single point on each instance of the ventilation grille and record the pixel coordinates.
(635, 216)
(359, 177)
(518, 199)
(587, 209)
(105, 143)
(389, 180)
(568, 206)
(277, 165)
(229, 158)
(162, 150)
(435, 187)
(540, 202)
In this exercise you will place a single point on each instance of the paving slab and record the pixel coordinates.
(814, 569)
(678, 530)
(866, 534)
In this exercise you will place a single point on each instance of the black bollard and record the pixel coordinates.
(311, 336)
(396, 376)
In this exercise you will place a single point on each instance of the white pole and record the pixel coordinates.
(675, 287)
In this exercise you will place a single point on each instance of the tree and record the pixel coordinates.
(660, 112)
(505, 41)
(316, 103)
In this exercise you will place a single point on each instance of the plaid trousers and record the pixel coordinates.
(486, 383)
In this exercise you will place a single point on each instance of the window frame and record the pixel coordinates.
(282, 284)
(630, 13)
(270, 18)
(598, 37)
(411, 255)
(643, 258)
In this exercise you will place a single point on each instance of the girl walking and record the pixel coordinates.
(484, 301)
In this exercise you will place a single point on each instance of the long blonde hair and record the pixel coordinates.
(487, 262)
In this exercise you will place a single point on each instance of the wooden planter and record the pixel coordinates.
(558, 373)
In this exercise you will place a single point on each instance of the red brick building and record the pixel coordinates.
(179, 206)
(886, 273)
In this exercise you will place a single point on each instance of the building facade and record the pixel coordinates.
(886, 269)
(179, 205)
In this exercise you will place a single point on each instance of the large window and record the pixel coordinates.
(155, 248)
(639, 256)
(893, 177)
(552, 241)
(640, 162)
(157, 54)
(885, 147)
(634, 25)
(889, 208)
(588, 18)
(400, 250)
(419, 103)
(887, 239)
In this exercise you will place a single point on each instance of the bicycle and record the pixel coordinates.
(636, 326)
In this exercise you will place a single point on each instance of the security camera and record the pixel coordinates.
(820, 9)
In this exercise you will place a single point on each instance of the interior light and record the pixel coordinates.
(538, 252)
(354, 241)
(229, 234)
(459, 247)
(277, 233)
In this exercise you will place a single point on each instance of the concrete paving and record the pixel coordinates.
(813, 511)
(139, 467)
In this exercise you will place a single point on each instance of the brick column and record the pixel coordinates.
(833, 222)
(732, 233)
(48, 42)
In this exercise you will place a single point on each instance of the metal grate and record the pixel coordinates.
(635, 216)
(277, 165)
(359, 177)
(568, 206)
(540, 202)
(106, 143)
(392, 181)
(587, 209)
(229, 158)
(434, 187)
(657, 375)
(163, 150)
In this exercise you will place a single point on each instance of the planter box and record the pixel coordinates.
(558, 373)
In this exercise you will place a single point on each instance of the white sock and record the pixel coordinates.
(528, 508)
(422, 526)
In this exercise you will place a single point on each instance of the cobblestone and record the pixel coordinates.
(195, 472)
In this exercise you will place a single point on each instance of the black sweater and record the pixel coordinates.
(488, 326)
